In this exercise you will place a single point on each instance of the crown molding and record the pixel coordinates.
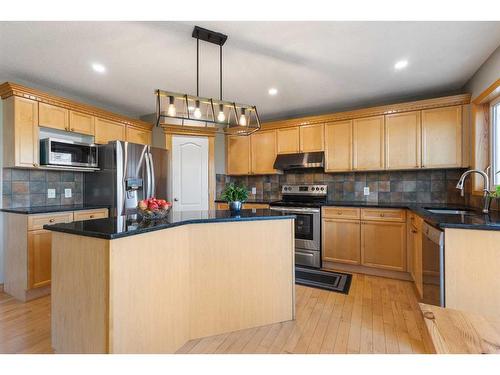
(372, 111)
(8, 89)
(189, 130)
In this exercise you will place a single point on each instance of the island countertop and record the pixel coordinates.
(123, 226)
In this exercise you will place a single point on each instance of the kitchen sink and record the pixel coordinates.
(449, 211)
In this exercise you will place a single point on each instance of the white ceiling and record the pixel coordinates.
(316, 66)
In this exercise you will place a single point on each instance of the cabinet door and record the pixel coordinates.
(368, 143)
(238, 155)
(383, 245)
(20, 131)
(263, 152)
(138, 135)
(288, 140)
(312, 138)
(402, 140)
(442, 137)
(39, 258)
(106, 130)
(417, 260)
(338, 146)
(81, 123)
(341, 241)
(51, 116)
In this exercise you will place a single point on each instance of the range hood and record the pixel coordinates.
(299, 161)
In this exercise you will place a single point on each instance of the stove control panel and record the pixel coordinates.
(312, 190)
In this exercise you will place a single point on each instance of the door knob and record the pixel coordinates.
(176, 200)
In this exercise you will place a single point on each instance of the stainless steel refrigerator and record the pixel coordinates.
(128, 173)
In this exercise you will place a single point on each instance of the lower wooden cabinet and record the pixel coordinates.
(414, 251)
(39, 258)
(383, 245)
(246, 206)
(341, 241)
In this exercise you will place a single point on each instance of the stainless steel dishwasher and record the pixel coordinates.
(433, 265)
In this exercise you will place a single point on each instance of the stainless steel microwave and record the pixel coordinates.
(61, 152)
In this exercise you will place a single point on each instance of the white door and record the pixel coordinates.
(189, 173)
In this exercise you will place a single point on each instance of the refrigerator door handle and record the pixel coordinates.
(120, 186)
(152, 168)
(148, 175)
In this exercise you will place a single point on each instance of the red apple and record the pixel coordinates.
(143, 204)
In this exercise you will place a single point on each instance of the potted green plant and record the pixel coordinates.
(235, 195)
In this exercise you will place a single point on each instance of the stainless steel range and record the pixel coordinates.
(305, 202)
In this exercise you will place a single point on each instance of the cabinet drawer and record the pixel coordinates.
(341, 212)
(90, 214)
(36, 222)
(246, 206)
(383, 214)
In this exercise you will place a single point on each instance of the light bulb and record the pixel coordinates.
(171, 107)
(197, 112)
(221, 117)
(243, 119)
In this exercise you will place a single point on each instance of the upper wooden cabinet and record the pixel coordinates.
(311, 138)
(402, 140)
(442, 137)
(288, 140)
(81, 123)
(106, 130)
(20, 128)
(138, 135)
(51, 116)
(263, 152)
(238, 155)
(368, 143)
(338, 146)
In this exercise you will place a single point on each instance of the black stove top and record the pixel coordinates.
(297, 203)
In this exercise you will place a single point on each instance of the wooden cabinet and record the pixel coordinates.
(246, 206)
(368, 143)
(39, 258)
(138, 135)
(81, 123)
(20, 133)
(263, 152)
(414, 251)
(338, 146)
(238, 155)
(288, 140)
(402, 140)
(341, 241)
(51, 116)
(90, 214)
(442, 137)
(385, 214)
(107, 130)
(311, 138)
(341, 212)
(383, 245)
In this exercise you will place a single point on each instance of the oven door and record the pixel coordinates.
(69, 153)
(307, 226)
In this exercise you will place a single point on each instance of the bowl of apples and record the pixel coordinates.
(153, 209)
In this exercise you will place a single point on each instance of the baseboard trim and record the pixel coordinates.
(399, 275)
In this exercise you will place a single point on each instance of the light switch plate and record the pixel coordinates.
(67, 193)
(51, 193)
(254, 190)
(366, 190)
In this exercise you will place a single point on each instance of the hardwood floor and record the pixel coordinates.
(378, 315)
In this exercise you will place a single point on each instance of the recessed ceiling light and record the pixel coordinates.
(99, 68)
(401, 64)
(272, 91)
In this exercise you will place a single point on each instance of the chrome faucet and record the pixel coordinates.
(486, 191)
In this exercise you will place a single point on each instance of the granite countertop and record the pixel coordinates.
(49, 209)
(473, 220)
(123, 226)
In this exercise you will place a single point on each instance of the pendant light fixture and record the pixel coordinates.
(188, 110)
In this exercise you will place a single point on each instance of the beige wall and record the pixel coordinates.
(487, 73)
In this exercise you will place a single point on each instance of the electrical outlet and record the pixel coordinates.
(51, 193)
(254, 190)
(366, 190)
(67, 193)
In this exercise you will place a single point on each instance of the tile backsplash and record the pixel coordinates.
(423, 186)
(27, 188)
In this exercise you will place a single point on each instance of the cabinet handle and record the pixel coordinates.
(414, 231)
(339, 212)
(35, 164)
(91, 216)
(382, 215)
(72, 129)
(51, 220)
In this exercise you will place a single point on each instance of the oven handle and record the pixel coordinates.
(293, 210)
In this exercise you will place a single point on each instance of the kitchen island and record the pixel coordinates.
(121, 285)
